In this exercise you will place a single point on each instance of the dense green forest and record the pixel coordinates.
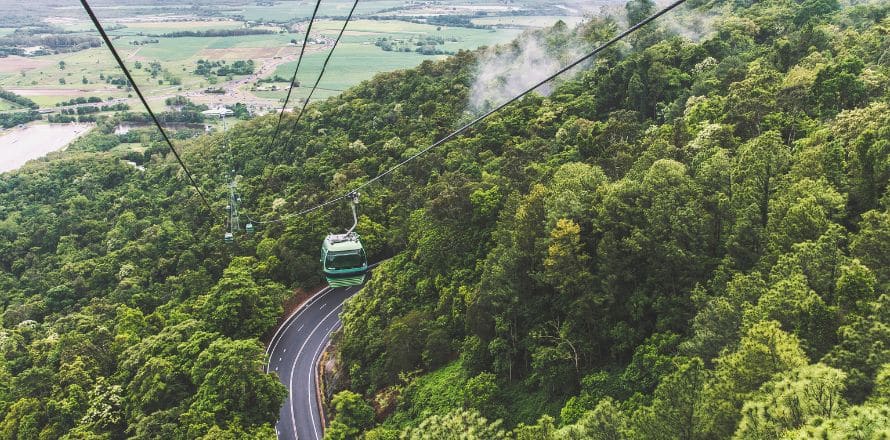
(687, 239)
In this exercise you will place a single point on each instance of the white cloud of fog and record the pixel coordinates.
(505, 71)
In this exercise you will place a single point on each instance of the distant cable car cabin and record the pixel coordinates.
(343, 258)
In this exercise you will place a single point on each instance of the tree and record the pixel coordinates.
(239, 307)
(871, 245)
(756, 176)
(812, 10)
(481, 394)
(862, 136)
(837, 86)
(352, 415)
(864, 346)
(865, 422)
(791, 400)
(750, 100)
(855, 287)
(23, 420)
(605, 422)
(651, 361)
(551, 367)
(717, 325)
(566, 264)
(800, 311)
(637, 10)
(802, 211)
(544, 429)
(231, 388)
(677, 410)
(881, 392)
(455, 425)
(763, 351)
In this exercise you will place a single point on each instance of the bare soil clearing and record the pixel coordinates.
(14, 63)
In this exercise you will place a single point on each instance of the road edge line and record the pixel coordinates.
(319, 381)
(287, 321)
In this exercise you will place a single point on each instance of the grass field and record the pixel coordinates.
(287, 10)
(161, 27)
(181, 49)
(351, 64)
(6, 105)
(357, 59)
(85, 73)
(528, 21)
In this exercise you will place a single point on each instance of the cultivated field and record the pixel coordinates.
(529, 21)
(164, 67)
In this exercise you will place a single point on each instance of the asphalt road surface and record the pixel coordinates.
(293, 353)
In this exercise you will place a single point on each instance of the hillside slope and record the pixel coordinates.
(677, 241)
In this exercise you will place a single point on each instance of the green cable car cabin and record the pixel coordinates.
(343, 260)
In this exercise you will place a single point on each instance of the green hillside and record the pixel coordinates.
(687, 239)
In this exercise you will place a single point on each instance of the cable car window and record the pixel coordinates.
(345, 260)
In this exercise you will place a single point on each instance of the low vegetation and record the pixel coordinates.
(17, 99)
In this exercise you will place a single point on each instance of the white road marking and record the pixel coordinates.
(290, 386)
(276, 339)
(292, 318)
(312, 400)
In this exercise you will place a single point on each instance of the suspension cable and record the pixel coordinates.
(487, 114)
(324, 66)
(293, 79)
(154, 118)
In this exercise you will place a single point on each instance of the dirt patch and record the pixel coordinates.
(15, 63)
(287, 51)
(238, 53)
(160, 23)
(59, 92)
(133, 54)
(361, 33)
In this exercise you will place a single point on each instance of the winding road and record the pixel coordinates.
(293, 353)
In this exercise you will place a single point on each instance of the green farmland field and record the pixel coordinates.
(352, 63)
(51, 79)
(288, 10)
(177, 26)
(6, 105)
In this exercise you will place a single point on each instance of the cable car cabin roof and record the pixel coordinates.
(342, 242)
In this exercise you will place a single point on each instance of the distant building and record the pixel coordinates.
(33, 50)
(219, 112)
